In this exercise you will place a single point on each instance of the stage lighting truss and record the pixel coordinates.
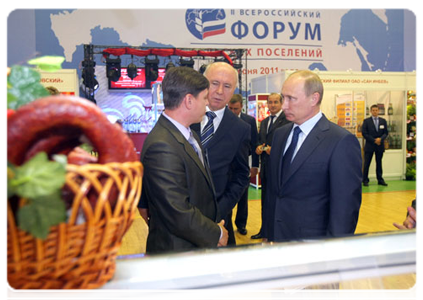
(89, 80)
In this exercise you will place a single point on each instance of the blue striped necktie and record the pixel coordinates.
(208, 130)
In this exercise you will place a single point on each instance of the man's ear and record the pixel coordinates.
(188, 101)
(315, 98)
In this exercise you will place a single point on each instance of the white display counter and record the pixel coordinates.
(333, 266)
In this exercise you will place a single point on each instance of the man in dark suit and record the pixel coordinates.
(268, 126)
(177, 184)
(315, 169)
(226, 140)
(235, 105)
(375, 131)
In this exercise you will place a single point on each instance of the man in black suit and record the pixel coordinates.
(375, 131)
(177, 184)
(235, 105)
(226, 140)
(268, 126)
(315, 169)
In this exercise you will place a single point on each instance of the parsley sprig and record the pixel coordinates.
(39, 182)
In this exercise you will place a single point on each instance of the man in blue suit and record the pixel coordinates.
(226, 141)
(268, 127)
(375, 131)
(315, 169)
(235, 105)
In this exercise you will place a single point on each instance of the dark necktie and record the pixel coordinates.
(196, 147)
(287, 158)
(208, 130)
(271, 123)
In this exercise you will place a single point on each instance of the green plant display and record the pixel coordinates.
(410, 172)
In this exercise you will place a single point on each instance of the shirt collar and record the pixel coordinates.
(277, 114)
(219, 113)
(308, 125)
(185, 131)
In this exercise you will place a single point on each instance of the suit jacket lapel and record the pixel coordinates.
(265, 124)
(314, 138)
(283, 143)
(276, 123)
(187, 146)
(224, 126)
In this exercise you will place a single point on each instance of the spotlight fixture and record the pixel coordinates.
(132, 71)
(151, 68)
(186, 62)
(169, 65)
(203, 68)
(113, 68)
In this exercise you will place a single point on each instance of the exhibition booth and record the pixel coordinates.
(84, 254)
(346, 101)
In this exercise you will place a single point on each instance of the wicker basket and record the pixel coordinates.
(78, 255)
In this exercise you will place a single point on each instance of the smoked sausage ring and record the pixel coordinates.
(56, 115)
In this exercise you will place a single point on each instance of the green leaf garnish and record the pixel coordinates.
(40, 213)
(48, 63)
(11, 173)
(23, 86)
(38, 177)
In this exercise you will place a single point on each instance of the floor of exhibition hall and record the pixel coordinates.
(381, 206)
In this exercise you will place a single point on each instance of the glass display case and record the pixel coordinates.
(257, 107)
(391, 108)
(348, 266)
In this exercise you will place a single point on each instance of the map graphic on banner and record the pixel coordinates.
(275, 39)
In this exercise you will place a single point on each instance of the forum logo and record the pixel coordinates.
(203, 23)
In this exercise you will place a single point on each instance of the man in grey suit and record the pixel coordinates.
(177, 184)
(315, 169)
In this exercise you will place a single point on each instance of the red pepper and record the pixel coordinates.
(10, 112)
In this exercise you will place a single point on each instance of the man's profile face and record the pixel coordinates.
(236, 108)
